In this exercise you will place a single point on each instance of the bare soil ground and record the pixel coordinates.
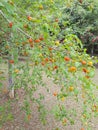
(19, 123)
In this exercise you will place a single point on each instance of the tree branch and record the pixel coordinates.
(18, 29)
(4, 16)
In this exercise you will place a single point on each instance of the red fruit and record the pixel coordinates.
(30, 40)
(29, 18)
(55, 67)
(66, 58)
(11, 61)
(10, 24)
(37, 40)
(85, 70)
(41, 38)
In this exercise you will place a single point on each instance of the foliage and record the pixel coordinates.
(82, 19)
(35, 30)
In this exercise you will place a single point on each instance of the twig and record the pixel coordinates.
(18, 29)
(4, 16)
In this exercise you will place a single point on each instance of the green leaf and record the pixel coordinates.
(77, 64)
(1, 5)
(91, 74)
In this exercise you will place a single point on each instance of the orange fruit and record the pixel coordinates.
(72, 69)
(55, 94)
(37, 41)
(82, 129)
(43, 63)
(83, 62)
(30, 40)
(66, 58)
(50, 48)
(46, 59)
(11, 61)
(85, 70)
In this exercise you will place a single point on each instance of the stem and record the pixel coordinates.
(20, 30)
(4, 16)
(10, 68)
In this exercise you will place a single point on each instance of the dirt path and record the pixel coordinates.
(19, 123)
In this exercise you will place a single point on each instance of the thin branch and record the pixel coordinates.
(18, 29)
(4, 16)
